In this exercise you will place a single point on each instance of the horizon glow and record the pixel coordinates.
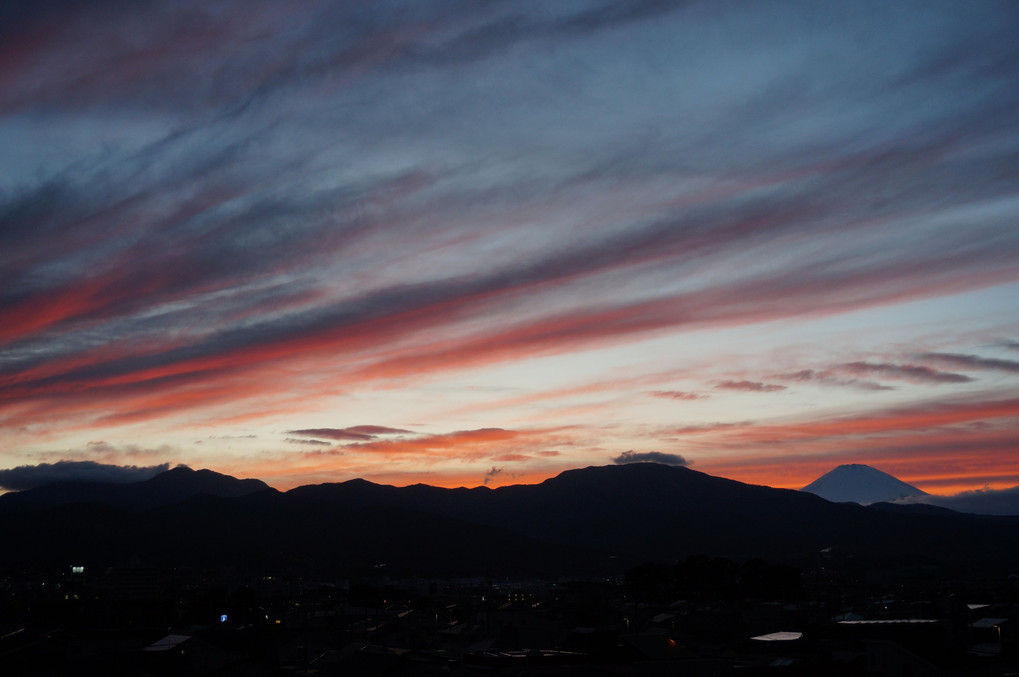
(479, 244)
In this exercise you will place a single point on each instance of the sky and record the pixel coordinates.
(480, 243)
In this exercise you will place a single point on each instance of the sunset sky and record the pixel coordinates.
(469, 243)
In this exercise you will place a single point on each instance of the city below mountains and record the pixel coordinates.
(591, 520)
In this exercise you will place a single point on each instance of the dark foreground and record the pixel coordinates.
(197, 573)
(700, 616)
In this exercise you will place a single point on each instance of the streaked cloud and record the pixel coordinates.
(909, 417)
(714, 427)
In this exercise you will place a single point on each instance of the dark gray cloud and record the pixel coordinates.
(320, 443)
(376, 430)
(649, 457)
(360, 433)
(30, 476)
(829, 378)
(904, 372)
(750, 386)
(332, 434)
(492, 473)
(964, 361)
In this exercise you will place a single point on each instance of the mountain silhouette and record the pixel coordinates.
(648, 511)
(638, 510)
(584, 520)
(168, 487)
(861, 484)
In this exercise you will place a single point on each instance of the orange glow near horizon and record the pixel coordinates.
(949, 484)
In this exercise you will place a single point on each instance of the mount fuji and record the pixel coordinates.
(861, 484)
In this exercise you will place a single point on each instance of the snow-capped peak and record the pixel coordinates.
(860, 484)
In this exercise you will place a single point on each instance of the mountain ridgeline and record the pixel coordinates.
(584, 520)
(166, 488)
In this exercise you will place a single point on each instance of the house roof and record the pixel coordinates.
(168, 642)
(781, 636)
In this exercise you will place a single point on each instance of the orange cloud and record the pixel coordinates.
(463, 444)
